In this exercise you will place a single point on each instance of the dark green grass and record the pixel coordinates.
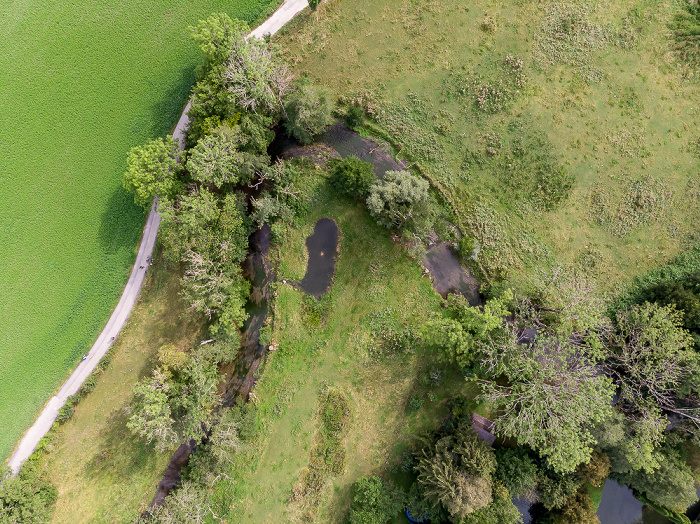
(83, 81)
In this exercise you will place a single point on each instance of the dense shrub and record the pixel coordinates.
(415, 403)
(352, 176)
(354, 116)
(516, 470)
(375, 501)
(399, 199)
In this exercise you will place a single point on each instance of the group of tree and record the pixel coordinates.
(27, 497)
(568, 381)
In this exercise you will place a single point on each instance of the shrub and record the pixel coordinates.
(89, 385)
(354, 116)
(415, 403)
(596, 471)
(375, 501)
(335, 412)
(577, 510)
(352, 177)
(399, 199)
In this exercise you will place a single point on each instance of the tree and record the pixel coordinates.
(217, 34)
(254, 77)
(596, 470)
(26, 498)
(170, 408)
(351, 177)
(150, 413)
(556, 489)
(375, 502)
(671, 484)
(219, 158)
(459, 333)
(152, 171)
(554, 394)
(500, 511)
(399, 199)
(650, 360)
(308, 109)
(456, 472)
(186, 504)
(516, 470)
(577, 510)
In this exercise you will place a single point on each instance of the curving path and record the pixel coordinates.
(116, 322)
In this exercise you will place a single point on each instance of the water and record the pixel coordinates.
(618, 506)
(348, 143)
(321, 246)
(449, 276)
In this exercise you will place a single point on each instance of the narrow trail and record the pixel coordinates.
(121, 313)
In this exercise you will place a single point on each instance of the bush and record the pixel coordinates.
(89, 385)
(335, 412)
(375, 502)
(352, 177)
(415, 403)
(354, 117)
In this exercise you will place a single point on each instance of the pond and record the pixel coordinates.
(348, 143)
(448, 275)
(321, 266)
(618, 506)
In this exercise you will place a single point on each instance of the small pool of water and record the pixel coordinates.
(448, 275)
(618, 506)
(348, 143)
(321, 266)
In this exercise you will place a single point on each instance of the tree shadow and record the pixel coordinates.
(120, 224)
(166, 111)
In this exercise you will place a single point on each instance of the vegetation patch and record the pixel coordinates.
(640, 202)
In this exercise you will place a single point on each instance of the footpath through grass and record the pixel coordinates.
(83, 81)
(494, 98)
(104, 473)
(349, 342)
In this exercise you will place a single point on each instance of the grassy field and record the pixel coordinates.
(488, 96)
(82, 82)
(337, 346)
(103, 473)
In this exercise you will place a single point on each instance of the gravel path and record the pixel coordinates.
(121, 313)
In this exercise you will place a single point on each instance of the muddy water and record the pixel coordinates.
(257, 270)
(449, 276)
(349, 143)
(321, 266)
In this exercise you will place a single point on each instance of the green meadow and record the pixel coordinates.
(492, 98)
(83, 81)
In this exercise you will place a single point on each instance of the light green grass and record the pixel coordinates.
(415, 57)
(102, 472)
(83, 81)
(372, 274)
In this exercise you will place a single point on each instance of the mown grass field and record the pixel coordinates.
(376, 287)
(602, 95)
(102, 472)
(83, 81)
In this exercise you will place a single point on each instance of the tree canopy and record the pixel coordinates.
(399, 199)
(152, 171)
(308, 109)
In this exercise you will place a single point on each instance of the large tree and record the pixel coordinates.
(152, 171)
(222, 159)
(456, 470)
(308, 109)
(652, 361)
(553, 395)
